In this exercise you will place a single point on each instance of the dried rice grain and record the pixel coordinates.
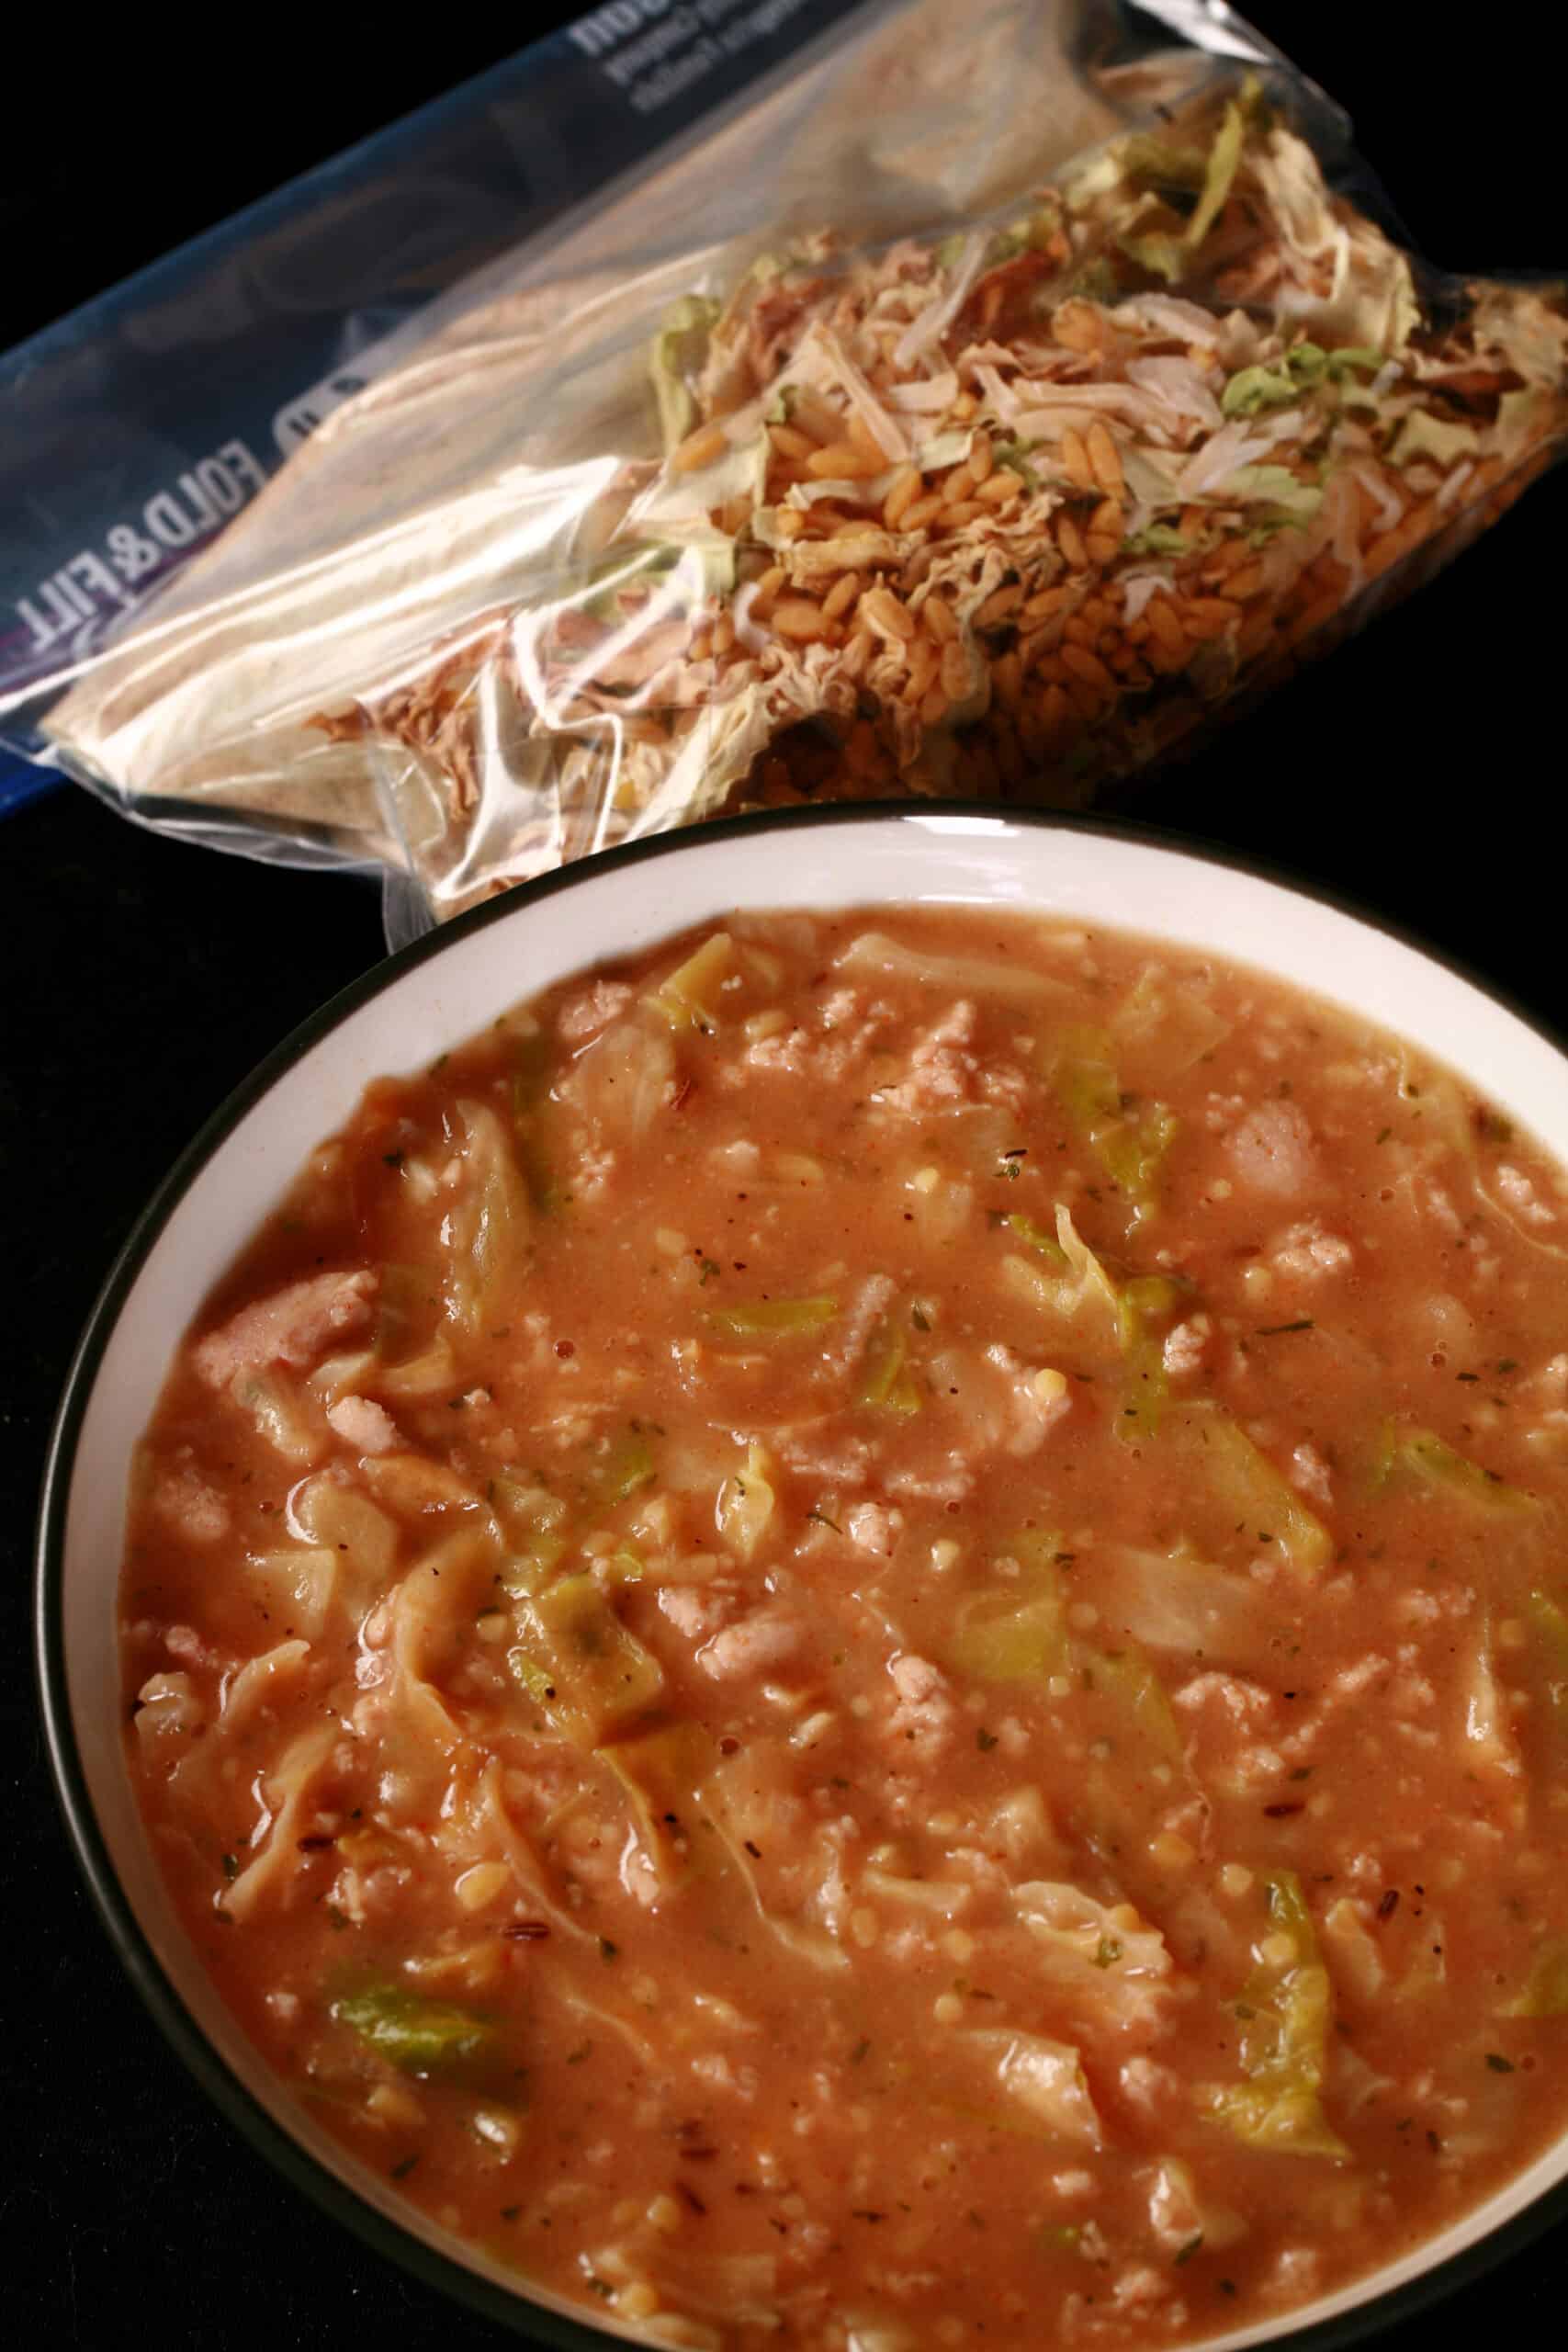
(881, 609)
(1105, 462)
(902, 490)
(1075, 460)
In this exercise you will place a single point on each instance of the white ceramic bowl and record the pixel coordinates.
(399, 1018)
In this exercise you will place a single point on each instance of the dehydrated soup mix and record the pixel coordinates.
(1003, 513)
(857, 1638)
(978, 418)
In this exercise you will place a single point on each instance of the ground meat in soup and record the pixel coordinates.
(859, 1637)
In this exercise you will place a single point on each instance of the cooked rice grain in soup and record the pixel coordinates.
(859, 1637)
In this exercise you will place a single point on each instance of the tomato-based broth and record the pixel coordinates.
(858, 1637)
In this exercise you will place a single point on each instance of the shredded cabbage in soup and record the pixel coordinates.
(858, 1638)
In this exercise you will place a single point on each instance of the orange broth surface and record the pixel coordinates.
(858, 1637)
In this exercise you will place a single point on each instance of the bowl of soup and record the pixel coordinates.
(811, 1591)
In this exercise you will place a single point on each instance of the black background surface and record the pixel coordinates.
(1421, 770)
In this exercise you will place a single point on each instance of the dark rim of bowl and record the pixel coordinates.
(514, 2309)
